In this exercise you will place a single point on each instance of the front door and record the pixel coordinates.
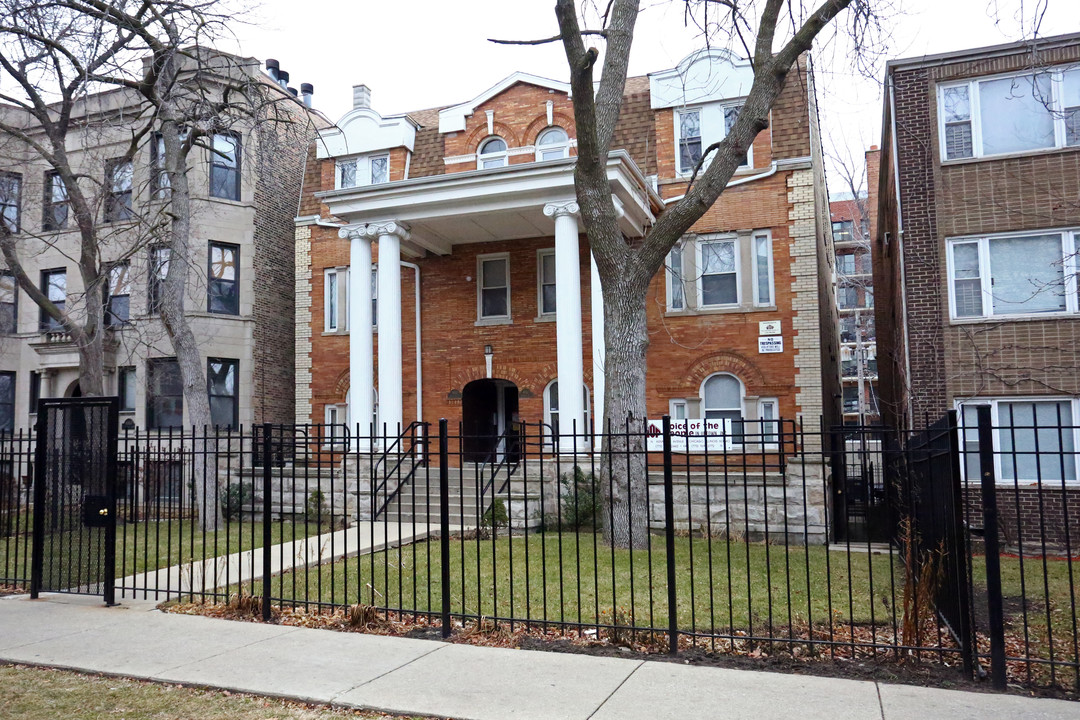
(488, 408)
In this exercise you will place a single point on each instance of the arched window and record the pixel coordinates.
(551, 411)
(722, 399)
(492, 153)
(552, 144)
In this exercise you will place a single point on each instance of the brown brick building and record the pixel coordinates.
(975, 249)
(491, 297)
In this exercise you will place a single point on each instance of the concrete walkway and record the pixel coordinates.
(459, 681)
(241, 567)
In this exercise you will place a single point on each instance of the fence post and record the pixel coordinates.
(37, 547)
(669, 541)
(995, 603)
(444, 523)
(267, 430)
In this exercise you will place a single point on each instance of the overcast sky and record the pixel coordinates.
(417, 54)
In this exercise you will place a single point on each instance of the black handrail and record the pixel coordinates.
(411, 453)
(513, 430)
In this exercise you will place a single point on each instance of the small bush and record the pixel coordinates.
(496, 515)
(315, 510)
(579, 502)
(234, 498)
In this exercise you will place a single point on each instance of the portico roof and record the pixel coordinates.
(504, 203)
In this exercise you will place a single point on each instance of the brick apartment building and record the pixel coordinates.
(483, 302)
(975, 249)
(852, 220)
(239, 299)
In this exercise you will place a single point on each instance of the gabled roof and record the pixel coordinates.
(452, 119)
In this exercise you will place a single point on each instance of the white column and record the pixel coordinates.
(568, 324)
(361, 345)
(599, 350)
(390, 236)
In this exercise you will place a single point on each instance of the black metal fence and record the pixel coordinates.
(753, 538)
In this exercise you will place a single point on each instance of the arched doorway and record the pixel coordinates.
(488, 409)
(74, 390)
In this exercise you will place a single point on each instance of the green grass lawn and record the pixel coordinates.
(44, 694)
(564, 577)
(151, 544)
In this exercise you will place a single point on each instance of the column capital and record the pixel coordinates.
(393, 227)
(559, 209)
(348, 232)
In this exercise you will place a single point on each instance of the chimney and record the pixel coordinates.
(272, 67)
(307, 90)
(283, 79)
(293, 92)
(361, 96)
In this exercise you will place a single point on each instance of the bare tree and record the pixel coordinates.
(774, 34)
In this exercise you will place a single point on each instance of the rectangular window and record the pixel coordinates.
(10, 201)
(851, 399)
(125, 388)
(374, 297)
(769, 416)
(9, 303)
(118, 182)
(1012, 275)
(1009, 114)
(159, 179)
(118, 305)
(164, 394)
(1034, 440)
(677, 409)
(35, 391)
(54, 286)
(546, 286)
(731, 115)
(221, 383)
(331, 301)
(676, 287)
(763, 270)
(7, 401)
(159, 269)
(845, 264)
(843, 231)
(223, 279)
(719, 275)
(847, 297)
(689, 139)
(494, 286)
(360, 171)
(55, 214)
(225, 166)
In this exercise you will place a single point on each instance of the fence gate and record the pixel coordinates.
(74, 497)
(861, 504)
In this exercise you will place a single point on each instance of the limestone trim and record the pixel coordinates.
(302, 339)
(806, 304)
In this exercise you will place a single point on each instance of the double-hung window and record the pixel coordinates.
(763, 270)
(493, 296)
(1015, 113)
(1034, 439)
(676, 286)
(10, 200)
(722, 399)
(118, 304)
(699, 128)
(125, 388)
(159, 269)
(55, 206)
(769, 420)
(222, 387)
(731, 115)
(164, 394)
(689, 129)
(492, 154)
(718, 273)
(1017, 274)
(365, 170)
(225, 166)
(118, 182)
(9, 303)
(545, 273)
(7, 401)
(223, 279)
(54, 286)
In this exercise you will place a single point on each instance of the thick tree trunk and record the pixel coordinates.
(626, 522)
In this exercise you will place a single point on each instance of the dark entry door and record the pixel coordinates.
(479, 420)
(74, 497)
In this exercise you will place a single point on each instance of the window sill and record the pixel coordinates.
(485, 322)
(1009, 156)
(215, 316)
(546, 318)
(227, 201)
(997, 319)
(719, 310)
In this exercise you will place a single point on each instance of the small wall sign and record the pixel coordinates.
(770, 344)
(769, 327)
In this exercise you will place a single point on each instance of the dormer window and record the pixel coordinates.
(492, 154)
(553, 144)
(365, 170)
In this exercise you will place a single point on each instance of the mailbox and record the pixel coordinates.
(95, 510)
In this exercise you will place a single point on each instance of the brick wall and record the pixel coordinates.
(1028, 518)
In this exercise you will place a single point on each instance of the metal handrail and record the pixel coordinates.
(410, 453)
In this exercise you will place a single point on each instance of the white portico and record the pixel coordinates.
(427, 217)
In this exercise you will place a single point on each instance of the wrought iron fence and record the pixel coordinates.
(748, 538)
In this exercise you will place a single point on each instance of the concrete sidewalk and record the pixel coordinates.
(460, 681)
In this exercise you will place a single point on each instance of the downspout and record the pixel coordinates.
(900, 250)
(419, 366)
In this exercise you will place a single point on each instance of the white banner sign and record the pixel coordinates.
(771, 344)
(691, 436)
(769, 327)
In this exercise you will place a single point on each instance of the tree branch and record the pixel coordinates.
(545, 41)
